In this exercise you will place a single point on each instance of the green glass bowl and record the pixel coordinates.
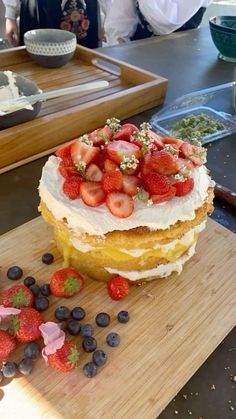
(223, 33)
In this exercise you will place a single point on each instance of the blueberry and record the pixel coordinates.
(25, 366)
(102, 319)
(9, 369)
(86, 330)
(41, 303)
(73, 327)
(45, 290)
(47, 258)
(123, 316)
(32, 350)
(62, 313)
(90, 369)
(78, 313)
(89, 344)
(15, 272)
(35, 289)
(99, 357)
(113, 339)
(28, 281)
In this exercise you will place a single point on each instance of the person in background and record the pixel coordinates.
(78, 16)
(127, 20)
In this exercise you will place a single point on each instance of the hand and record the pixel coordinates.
(12, 33)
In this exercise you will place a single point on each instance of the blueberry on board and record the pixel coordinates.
(41, 303)
(123, 316)
(47, 258)
(14, 272)
(62, 313)
(102, 319)
(86, 330)
(113, 339)
(99, 357)
(89, 344)
(28, 281)
(73, 327)
(35, 289)
(9, 369)
(32, 350)
(90, 369)
(45, 290)
(25, 366)
(78, 313)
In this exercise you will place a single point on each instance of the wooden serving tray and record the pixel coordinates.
(174, 326)
(131, 91)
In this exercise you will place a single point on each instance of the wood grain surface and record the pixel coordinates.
(131, 91)
(174, 326)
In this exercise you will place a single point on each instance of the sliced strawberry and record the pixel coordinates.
(164, 162)
(197, 161)
(64, 151)
(100, 159)
(183, 188)
(156, 199)
(125, 132)
(67, 171)
(130, 184)
(101, 135)
(186, 150)
(184, 166)
(66, 167)
(117, 150)
(93, 173)
(155, 138)
(172, 141)
(156, 184)
(83, 153)
(112, 181)
(146, 164)
(110, 166)
(120, 204)
(92, 193)
(71, 186)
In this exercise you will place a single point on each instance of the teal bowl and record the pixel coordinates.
(223, 33)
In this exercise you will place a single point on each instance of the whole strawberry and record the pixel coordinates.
(17, 296)
(66, 283)
(65, 358)
(25, 325)
(118, 287)
(7, 345)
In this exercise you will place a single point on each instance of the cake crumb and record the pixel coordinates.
(233, 378)
(231, 408)
(212, 387)
(185, 396)
(176, 412)
(169, 327)
(196, 394)
(189, 412)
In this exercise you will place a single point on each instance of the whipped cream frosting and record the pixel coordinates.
(99, 221)
(10, 92)
(185, 240)
(160, 271)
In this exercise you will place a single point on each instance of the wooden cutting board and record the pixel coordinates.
(174, 326)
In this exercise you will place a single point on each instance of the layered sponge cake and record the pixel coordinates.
(123, 200)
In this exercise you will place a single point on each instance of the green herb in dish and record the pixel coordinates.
(195, 127)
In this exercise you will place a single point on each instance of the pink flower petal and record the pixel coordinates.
(50, 331)
(8, 311)
(53, 338)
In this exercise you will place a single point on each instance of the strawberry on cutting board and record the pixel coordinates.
(65, 358)
(25, 325)
(17, 296)
(66, 283)
(7, 345)
(118, 287)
